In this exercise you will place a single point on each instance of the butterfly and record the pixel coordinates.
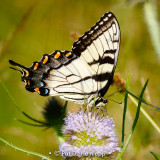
(82, 75)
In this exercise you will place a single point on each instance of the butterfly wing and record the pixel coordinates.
(84, 72)
(72, 81)
(99, 48)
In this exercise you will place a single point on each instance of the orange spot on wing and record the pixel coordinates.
(51, 71)
(28, 83)
(57, 55)
(45, 60)
(37, 89)
(68, 54)
(36, 66)
(27, 73)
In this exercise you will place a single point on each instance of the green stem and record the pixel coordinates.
(153, 123)
(134, 124)
(124, 111)
(24, 150)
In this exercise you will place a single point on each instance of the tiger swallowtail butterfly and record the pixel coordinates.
(82, 75)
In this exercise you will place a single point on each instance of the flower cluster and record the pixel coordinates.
(88, 135)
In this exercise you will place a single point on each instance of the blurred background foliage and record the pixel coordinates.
(29, 29)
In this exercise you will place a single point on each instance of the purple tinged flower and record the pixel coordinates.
(88, 135)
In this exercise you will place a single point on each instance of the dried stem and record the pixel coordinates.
(20, 27)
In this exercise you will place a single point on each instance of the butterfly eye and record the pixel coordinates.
(105, 101)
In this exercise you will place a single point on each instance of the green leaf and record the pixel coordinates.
(141, 99)
(157, 157)
(124, 111)
(134, 124)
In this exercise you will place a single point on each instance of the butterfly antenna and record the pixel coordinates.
(114, 93)
(23, 68)
(16, 69)
(115, 101)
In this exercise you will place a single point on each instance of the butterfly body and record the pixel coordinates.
(81, 75)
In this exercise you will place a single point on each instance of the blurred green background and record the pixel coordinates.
(29, 29)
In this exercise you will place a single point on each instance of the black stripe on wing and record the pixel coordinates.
(99, 78)
(108, 59)
(98, 29)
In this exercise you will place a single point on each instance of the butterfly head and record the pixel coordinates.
(100, 102)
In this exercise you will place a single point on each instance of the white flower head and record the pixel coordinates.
(88, 135)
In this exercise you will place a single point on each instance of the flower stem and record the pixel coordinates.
(24, 150)
(145, 114)
(134, 124)
(124, 111)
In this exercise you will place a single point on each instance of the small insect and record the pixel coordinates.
(82, 75)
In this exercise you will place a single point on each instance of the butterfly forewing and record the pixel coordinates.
(99, 48)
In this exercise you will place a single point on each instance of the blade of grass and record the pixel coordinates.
(157, 157)
(134, 124)
(133, 98)
(24, 150)
(151, 18)
(141, 99)
(124, 111)
(5, 88)
(153, 123)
